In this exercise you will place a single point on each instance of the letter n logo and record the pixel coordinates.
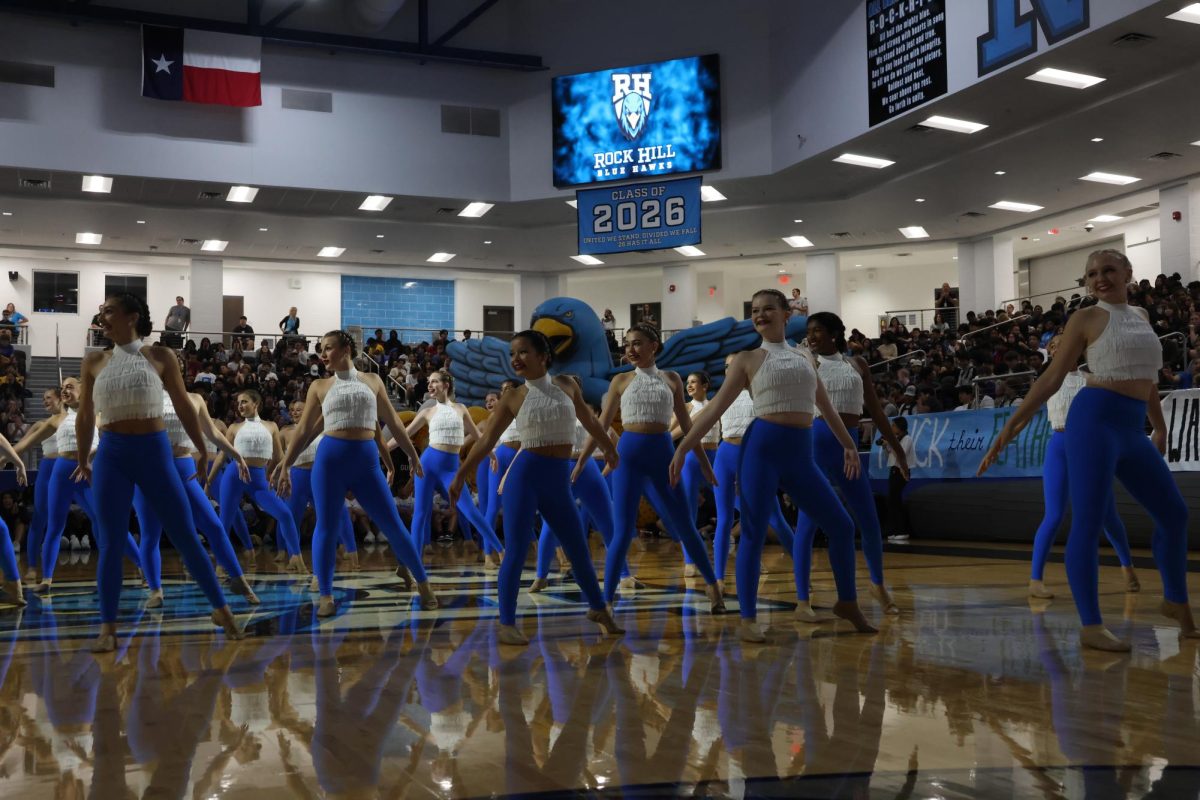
(1011, 35)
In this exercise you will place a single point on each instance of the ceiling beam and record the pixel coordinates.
(458, 27)
(291, 8)
(300, 38)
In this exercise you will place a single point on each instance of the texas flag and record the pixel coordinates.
(201, 66)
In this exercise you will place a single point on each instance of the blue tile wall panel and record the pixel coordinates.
(424, 306)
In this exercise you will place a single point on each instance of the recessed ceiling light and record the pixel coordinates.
(214, 245)
(1037, 239)
(375, 202)
(88, 238)
(476, 209)
(953, 125)
(1108, 177)
(441, 258)
(1009, 205)
(573, 203)
(1106, 218)
(241, 194)
(858, 265)
(920, 199)
(590, 261)
(690, 251)
(1097, 139)
(914, 232)
(956, 258)
(6, 213)
(97, 183)
(797, 221)
(330, 251)
(863, 161)
(263, 230)
(709, 194)
(1189, 13)
(798, 241)
(379, 236)
(141, 222)
(487, 241)
(409, 284)
(1001, 172)
(1061, 77)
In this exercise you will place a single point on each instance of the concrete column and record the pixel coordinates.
(985, 274)
(206, 296)
(679, 303)
(533, 289)
(823, 281)
(1177, 250)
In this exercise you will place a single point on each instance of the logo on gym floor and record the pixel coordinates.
(631, 102)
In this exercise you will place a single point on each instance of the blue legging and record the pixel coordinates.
(344, 465)
(595, 502)
(123, 462)
(482, 482)
(239, 520)
(693, 484)
(725, 468)
(264, 497)
(538, 483)
(775, 456)
(860, 500)
(1105, 432)
(302, 495)
(1054, 487)
(207, 522)
(644, 460)
(41, 504)
(61, 491)
(8, 558)
(440, 468)
(505, 456)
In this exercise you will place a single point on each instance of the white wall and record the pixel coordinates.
(615, 289)
(1142, 247)
(472, 294)
(267, 295)
(893, 288)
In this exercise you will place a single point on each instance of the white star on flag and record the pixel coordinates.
(162, 64)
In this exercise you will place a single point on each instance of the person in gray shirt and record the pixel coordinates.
(179, 318)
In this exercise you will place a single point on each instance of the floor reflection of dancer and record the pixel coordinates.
(42, 432)
(648, 400)
(348, 459)
(124, 388)
(207, 521)
(450, 427)
(11, 585)
(539, 480)
(257, 441)
(777, 452)
(1055, 488)
(851, 391)
(1106, 430)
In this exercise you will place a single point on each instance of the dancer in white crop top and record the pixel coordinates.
(697, 387)
(42, 432)
(777, 453)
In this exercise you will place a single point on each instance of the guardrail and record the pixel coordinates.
(904, 357)
(1064, 293)
(976, 383)
(923, 318)
(964, 339)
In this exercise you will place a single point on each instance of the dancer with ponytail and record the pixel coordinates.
(697, 387)
(777, 452)
(487, 554)
(1106, 434)
(848, 383)
(11, 585)
(1055, 488)
(42, 433)
(450, 427)
(124, 387)
(348, 459)
(216, 469)
(648, 400)
(507, 447)
(539, 480)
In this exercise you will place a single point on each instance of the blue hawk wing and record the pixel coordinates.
(706, 346)
(479, 366)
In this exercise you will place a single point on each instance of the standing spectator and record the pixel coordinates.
(799, 303)
(98, 339)
(290, 325)
(947, 303)
(647, 316)
(18, 319)
(246, 340)
(7, 323)
(608, 320)
(898, 522)
(466, 334)
(179, 319)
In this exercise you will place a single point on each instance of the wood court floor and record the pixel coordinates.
(973, 691)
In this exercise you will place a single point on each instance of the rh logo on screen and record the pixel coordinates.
(631, 102)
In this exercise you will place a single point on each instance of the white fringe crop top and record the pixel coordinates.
(64, 438)
(785, 382)
(253, 440)
(547, 416)
(50, 446)
(738, 416)
(843, 383)
(175, 432)
(511, 434)
(349, 403)
(1127, 349)
(128, 387)
(648, 399)
(309, 454)
(446, 426)
(713, 437)
(581, 436)
(1060, 402)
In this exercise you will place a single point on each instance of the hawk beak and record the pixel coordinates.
(560, 335)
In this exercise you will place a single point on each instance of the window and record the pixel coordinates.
(134, 284)
(56, 292)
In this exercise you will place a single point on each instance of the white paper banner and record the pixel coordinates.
(1182, 412)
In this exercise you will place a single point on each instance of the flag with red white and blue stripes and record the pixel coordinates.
(201, 66)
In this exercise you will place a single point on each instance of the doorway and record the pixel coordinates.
(498, 321)
(233, 308)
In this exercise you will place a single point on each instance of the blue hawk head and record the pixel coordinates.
(632, 111)
(576, 335)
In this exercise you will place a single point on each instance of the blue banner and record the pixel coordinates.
(952, 444)
(639, 216)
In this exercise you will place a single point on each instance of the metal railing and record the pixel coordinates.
(922, 318)
(977, 383)
(1065, 294)
(904, 357)
(963, 341)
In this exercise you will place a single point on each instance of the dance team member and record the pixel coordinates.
(507, 447)
(348, 459)
(539, 480)
(487, 553)
(450, 427)
(848, 383)
(696, 387)
(1105, 431)
(11, 585)
(648, 399)
(257, 441)
(777, 451)
(1054, 489)
(124, 387)
(42, 432)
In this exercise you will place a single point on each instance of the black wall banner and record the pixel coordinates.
(906, 55)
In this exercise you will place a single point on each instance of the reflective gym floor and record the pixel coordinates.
(974, 691)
